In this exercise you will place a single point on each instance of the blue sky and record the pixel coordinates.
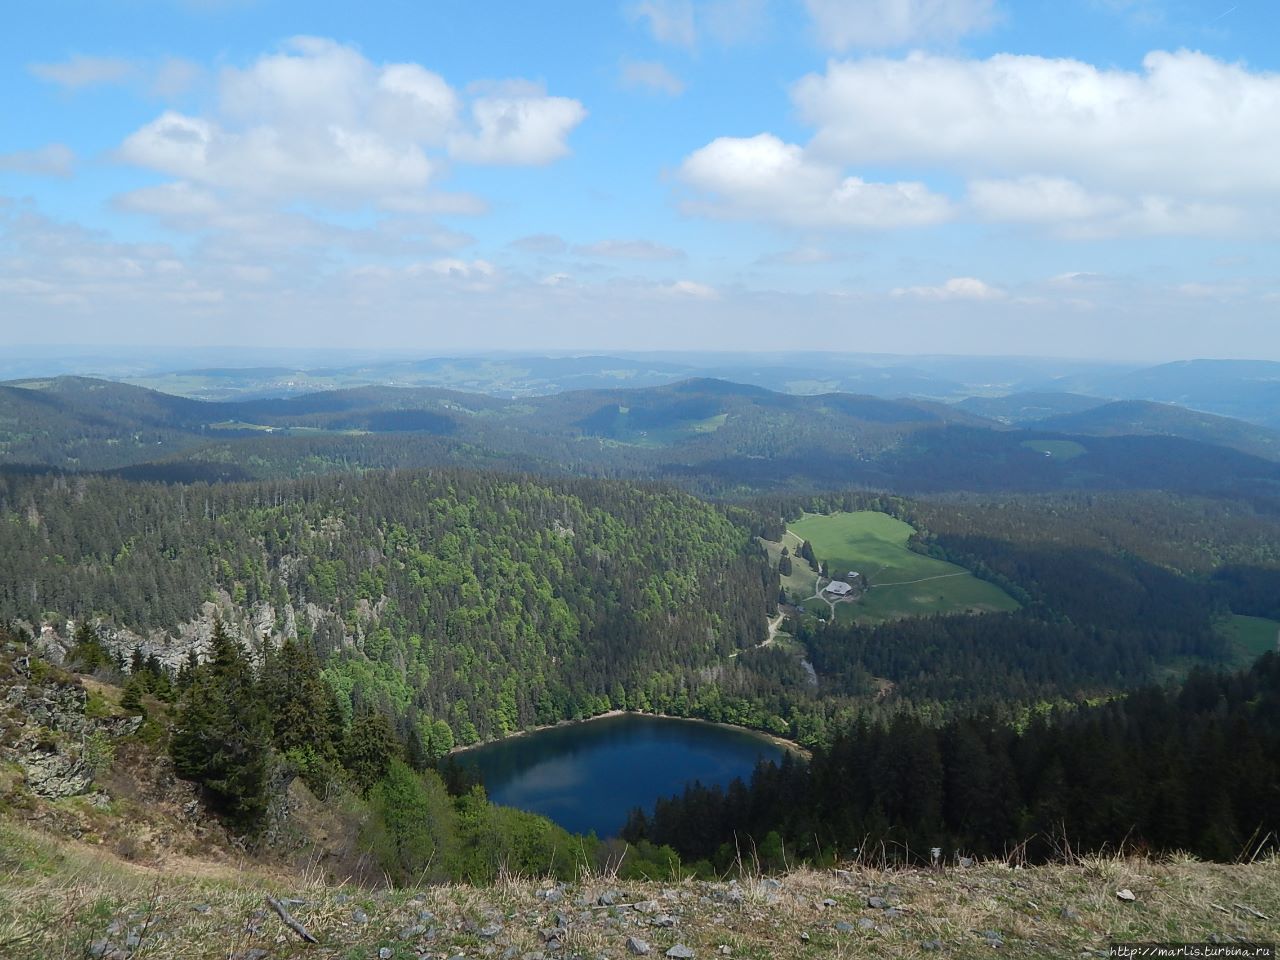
(1095, 178)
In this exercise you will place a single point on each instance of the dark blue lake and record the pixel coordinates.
(590, 776)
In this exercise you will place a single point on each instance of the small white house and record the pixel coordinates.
(838, 587)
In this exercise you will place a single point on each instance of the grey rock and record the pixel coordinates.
(417, 930)
(866, 923)
(663, 920)
(607, 899)
(385, 953)
(646, 906)
(892, 913)
(931, 945)
(250, 953)
(771, 883)
(844, 926)
(201, 908)
(844, 876)
(1069, 913)
(53, 775)
(828, 902)
(805, 936)
(359, 916)
(100, 948)
(680, 952)
(637, 946)
(490, 930)
(553, 896)
(877, 903)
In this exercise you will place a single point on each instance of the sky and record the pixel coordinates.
(1072, 178)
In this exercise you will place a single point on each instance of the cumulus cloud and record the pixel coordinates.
(650, 75)
(845, 24)
(79, 72)
(629, 250)
(957, 288)
(764, 178)
(1182, 147)
(518, 129)
(1186, 121)
(52, 160)
(319, 121)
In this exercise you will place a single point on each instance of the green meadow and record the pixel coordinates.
(903, 583)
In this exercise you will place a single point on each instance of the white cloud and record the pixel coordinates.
(845, 24)
(763, 178)
(691, 289)
(318, 121)
(456, 269)
(957, 288)
(52, 160)
(681, 23)
(629, 250)
(670, 21)
(1186, 122)
(651, 76)
(79, 72)
(518, 129)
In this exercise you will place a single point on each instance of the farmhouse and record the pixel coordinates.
(838, 587)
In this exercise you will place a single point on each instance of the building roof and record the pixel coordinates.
(837, 586)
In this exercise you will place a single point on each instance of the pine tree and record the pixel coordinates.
(222, 739)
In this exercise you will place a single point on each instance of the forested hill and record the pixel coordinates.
(710, 436)
(487, 603)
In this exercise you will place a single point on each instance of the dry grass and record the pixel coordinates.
(57, 899)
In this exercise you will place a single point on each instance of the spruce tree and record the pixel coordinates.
(370, 747)
(302, 709)
(222, 739)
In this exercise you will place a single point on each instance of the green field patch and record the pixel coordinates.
(1250, 636)
(903, 583)
(1056, 449)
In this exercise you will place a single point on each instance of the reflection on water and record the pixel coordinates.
(589, 776)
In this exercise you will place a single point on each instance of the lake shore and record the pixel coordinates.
(783, 742)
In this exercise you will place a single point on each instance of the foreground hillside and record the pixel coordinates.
(59, 899)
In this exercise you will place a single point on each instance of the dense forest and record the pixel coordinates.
(1192, 768)
(485, 602)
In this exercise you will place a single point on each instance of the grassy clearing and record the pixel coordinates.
(1251, 636)
(1056, 449)
(903, 583)
(57, 899)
